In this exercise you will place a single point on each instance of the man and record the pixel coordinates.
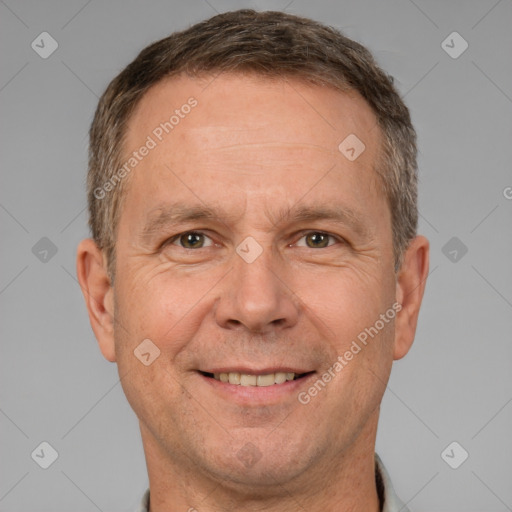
(254, 268)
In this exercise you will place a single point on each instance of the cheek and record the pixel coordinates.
(347, 302)
(347, 313)
(163, 304)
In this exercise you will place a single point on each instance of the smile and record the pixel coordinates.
(261, 380)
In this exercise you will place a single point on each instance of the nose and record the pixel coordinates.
(257, 297)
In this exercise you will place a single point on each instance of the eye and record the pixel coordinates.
(316, 240)
(192, 240)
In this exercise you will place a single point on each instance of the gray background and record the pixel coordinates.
(455, 384)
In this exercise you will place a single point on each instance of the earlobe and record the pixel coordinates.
(98, 294)
(410, 287)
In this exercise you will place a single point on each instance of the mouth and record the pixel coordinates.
(263, 379)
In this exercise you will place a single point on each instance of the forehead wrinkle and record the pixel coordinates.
(277, 144)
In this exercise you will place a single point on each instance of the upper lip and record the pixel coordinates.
(256, 371)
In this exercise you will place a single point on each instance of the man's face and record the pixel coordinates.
(254, 167)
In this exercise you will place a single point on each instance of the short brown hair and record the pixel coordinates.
(272, 44)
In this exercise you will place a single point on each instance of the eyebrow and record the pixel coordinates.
(339, 215)
(173, 214)
(179, 213)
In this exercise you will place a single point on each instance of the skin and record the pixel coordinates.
(254, 151)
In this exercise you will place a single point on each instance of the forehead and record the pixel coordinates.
(303, 112)
(264, 138)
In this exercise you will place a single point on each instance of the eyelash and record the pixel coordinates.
(172, 240)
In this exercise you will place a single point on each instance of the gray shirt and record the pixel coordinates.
(391, 502)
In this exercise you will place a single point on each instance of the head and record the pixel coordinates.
(268, 44)
(252, 195)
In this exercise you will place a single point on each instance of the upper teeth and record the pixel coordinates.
(244, 379)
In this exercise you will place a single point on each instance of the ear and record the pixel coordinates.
(93, 277)
(410, 286)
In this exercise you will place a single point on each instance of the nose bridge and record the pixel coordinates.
(257, 296)
(256, 286)
(257, 277)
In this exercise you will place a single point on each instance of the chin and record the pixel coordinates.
(258, 464)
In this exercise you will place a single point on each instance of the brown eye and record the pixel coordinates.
(192, 240)
(317, 240)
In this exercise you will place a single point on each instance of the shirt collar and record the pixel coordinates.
(391, 502)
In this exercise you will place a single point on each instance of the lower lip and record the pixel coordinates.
(258, 395)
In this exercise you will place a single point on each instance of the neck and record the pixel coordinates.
(341, 482)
